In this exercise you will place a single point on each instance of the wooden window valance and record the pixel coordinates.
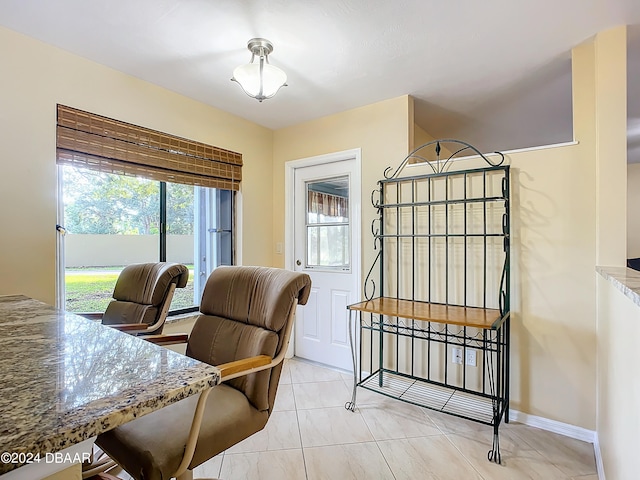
(99, 143)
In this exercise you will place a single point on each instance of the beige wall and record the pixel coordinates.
(421, 137)
(633, 210)
(381, 130)
(618, 391)
(36, 77)
(611, 146)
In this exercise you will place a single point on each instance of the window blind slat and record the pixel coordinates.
(107, 145)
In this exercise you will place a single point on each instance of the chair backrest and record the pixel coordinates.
(245, 312)
(143, 294)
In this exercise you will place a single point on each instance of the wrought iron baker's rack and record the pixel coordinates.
(443, 257)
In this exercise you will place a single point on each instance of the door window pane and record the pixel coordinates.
(327, 223)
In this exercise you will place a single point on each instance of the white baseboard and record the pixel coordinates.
(599, 462)
(554, 426)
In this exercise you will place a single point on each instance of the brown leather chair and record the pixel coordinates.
(244, 328)
(142, 296)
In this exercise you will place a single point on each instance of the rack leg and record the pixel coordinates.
(352, 404)
(494, 454)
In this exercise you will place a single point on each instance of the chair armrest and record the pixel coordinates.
(173, 339)
(242, 367)
(129, 327)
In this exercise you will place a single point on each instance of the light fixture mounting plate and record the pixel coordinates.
(260, 46)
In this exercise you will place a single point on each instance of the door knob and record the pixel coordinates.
(298, 262)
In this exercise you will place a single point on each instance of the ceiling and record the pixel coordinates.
(495, 73)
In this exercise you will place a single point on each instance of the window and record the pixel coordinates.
(114, 220)
(327, 224)
(128, 195)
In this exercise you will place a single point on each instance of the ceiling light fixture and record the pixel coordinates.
(258, 78)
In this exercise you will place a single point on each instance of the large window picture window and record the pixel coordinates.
(117, 212)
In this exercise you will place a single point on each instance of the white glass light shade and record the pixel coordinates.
(248, 76)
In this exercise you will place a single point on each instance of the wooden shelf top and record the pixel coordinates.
(432, 312)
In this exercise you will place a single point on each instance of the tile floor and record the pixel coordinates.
(311, 436)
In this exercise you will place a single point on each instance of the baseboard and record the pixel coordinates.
(554, 426)
(599, 462)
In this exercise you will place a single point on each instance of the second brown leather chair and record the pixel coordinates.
(244, 328)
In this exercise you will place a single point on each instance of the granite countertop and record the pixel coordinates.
(625, 279)
(64, 379)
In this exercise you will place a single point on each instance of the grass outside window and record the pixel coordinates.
(89, 290)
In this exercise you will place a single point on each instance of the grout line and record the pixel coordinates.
(219, 474)
(385, 460)
(295, 405)
(464, 456)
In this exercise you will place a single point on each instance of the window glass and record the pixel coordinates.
(114, 220)
(328, 234)
(181, 240)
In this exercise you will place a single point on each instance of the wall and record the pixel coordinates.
(633, 210)
(35, 78)
(566, 216)
(105, 250)
(618, 391)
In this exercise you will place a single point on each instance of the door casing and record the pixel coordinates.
(356, 224)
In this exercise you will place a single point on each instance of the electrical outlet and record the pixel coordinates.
(471, 357)
(456, 355)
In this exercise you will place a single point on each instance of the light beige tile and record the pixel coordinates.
(452, 424)
(320, 394)
(281, 433)
(367, 397)
(284, 398)
(210, 468)
(518, 464)
(510, 440)
(332, 426)
(348, 379)
(357, 461)
(303, 372)
(274, 465)
(573, 457)
(397, 420)
(586, 477)
(285, 374)
(427, 458)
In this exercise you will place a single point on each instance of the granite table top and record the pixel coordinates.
(65, 379)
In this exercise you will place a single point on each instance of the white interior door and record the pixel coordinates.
(327, 247)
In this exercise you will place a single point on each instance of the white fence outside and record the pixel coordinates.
(107, 250)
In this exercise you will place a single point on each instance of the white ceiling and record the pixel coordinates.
(495, 73)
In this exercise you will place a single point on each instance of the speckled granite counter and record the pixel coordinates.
(625, 279)
(64, 379)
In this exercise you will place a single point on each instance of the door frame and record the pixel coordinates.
(355, 197)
